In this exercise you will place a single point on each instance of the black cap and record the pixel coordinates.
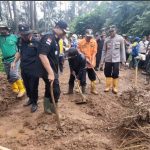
(24, 29)
(63, 25)
(72, 52)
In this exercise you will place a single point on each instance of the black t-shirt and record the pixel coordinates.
(78, 63)
(49, 47)
(28, 51)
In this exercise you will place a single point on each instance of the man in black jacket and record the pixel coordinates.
(77, 64)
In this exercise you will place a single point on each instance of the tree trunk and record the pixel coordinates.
(1, 11)
(9, 8)
(32, 15)
(35, 16)
(15, 14)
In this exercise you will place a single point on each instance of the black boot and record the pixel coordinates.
(29, 102)
(70, 90)
(34, 107)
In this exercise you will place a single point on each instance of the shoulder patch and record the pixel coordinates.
(48, 41)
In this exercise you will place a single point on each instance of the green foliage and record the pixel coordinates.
(1, 64)
(130, 17)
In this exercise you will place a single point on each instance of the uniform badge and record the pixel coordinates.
(48, 41)
(31, 44)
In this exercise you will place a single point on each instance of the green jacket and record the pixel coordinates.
(8, 46)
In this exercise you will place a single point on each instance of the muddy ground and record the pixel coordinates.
(85, 127)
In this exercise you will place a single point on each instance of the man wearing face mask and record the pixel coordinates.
(28, 51)
(8, 45)
(48, 63)
(88, 47)
(113, 54)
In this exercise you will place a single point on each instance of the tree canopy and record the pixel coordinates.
(130, 17)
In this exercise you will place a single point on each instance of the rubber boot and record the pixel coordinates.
(53, 108)
(108, 84)
(83, 89)
(21, 88)
(115, 86)
(15, 88)
(70, 90)
(46, 105)
(93, 88)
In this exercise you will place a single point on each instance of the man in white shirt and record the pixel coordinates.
(143, 45)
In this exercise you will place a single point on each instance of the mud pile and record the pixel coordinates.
(7, 97)
(133, 129)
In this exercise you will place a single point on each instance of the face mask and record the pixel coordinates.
(25, 37)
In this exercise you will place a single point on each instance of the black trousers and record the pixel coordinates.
(81, 77)
(111, 70)
(98, 59)
(31, 84)
(61, 63)
(91, 74)
(56, 89)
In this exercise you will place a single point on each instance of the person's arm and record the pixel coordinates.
(47, 66)
(103, 52)
(122, 51)
(93, 59)
(17, 57)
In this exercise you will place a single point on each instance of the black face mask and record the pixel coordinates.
(25, 37)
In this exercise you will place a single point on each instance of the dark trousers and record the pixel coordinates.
(81, 78)
(111, 70)
(31, 84)
(91, 74)
(127, 56)
(98, 59)
(56, 89)
(61, 63)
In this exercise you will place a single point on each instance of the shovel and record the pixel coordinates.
(55, 107)
(94, 72)
(136, 70)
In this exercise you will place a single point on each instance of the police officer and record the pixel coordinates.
(113, 54)
(28, 52)
(77, 64)
(48, 63)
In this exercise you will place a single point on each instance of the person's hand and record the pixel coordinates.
(13, 65)
(73, 73)
(51, 77)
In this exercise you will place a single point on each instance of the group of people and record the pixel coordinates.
(43, 57)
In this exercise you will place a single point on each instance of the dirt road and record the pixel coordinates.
(85, 127)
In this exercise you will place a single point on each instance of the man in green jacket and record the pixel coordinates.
(8, 46)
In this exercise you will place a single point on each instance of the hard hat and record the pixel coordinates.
(75, 36)
(3, 25)
(89, 32)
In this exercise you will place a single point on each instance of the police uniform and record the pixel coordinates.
(113, 54)
(29, 52)
(49, 47)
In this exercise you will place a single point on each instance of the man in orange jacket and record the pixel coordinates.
(88, 47)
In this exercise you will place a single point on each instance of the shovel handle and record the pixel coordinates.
(94, 71)
(55, 107)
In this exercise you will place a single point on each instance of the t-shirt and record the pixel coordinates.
(29, 53)
(88, 48)
(8, 45)
(143, 46)
(49, 47)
